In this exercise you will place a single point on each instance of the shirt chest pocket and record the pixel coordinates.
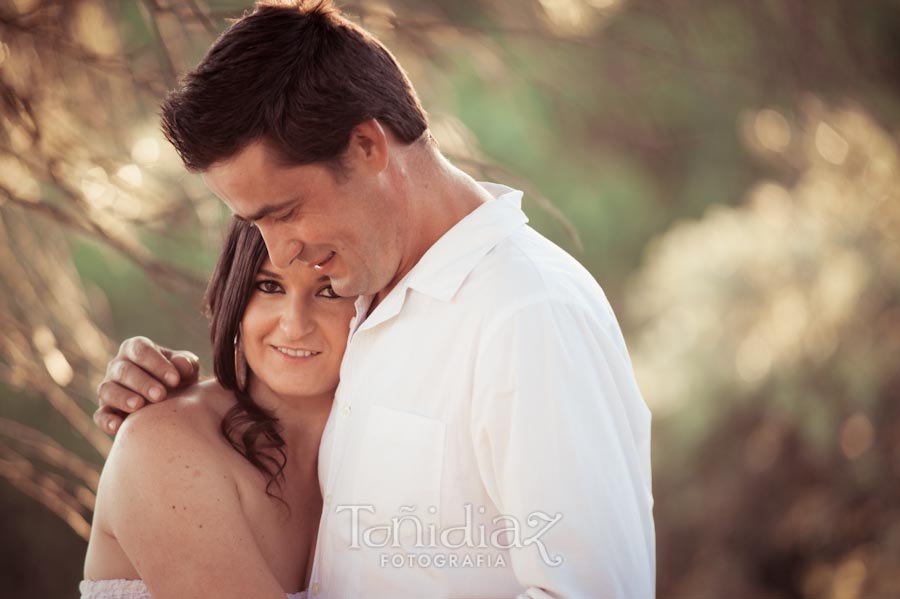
(399, 469)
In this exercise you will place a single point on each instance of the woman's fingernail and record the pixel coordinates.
(132, 403)
(155, 392)
(172, 378)
(111, 425)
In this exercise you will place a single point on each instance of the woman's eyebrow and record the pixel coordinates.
(269, 273)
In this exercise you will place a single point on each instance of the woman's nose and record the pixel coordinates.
(296, 322)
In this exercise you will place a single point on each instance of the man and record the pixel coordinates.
(487, 438)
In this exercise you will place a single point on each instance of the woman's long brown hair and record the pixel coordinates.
(250, 429)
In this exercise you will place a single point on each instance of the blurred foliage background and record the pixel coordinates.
(728, 170)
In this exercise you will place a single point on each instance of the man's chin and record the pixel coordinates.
(365, 284)
(345, 287)
(344, 290)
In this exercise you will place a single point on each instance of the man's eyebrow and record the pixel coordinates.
(267, 210)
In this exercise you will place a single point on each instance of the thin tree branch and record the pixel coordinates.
(161, 271)
(150, 11)
(38, 445)
(43, 490)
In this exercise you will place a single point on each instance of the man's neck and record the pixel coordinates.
(438, 196)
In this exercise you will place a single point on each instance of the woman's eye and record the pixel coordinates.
(329, 293)
(268, 286)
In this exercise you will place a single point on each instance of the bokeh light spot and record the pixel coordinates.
(145, 151)
(772, 130)
(831, 145)
(131, 174)
(857, 435)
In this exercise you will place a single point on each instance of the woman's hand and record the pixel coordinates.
(141, 372)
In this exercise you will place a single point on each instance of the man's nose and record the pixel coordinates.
(281, 251)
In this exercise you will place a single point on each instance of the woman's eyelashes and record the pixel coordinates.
(269, 286)
(328, 292)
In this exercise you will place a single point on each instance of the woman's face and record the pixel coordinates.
(294, 330)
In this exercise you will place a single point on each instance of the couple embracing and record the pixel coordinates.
(415, 394)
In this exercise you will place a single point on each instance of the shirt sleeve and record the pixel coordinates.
(562, 441)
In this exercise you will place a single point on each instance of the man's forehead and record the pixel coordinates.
(251, 166)
(243, 190)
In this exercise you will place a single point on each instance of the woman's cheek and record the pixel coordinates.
(258, 316)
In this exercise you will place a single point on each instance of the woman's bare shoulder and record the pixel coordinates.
(168, 494)
(194, 412)
(182, 432)
(165, 451)
(157, 452)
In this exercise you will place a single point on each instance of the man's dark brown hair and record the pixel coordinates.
(297, 76)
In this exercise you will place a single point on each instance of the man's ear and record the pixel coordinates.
(369, 146)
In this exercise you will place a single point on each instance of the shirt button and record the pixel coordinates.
(315, 588)
(328, 499)
(345, 411)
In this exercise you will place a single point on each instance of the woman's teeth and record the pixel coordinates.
(296, 353)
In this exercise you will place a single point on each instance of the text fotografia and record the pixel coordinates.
(442, 560)
(507, 533)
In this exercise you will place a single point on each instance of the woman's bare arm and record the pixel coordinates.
(173, 507)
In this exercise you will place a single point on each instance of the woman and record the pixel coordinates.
(221, 480)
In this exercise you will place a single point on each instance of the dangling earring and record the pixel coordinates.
(240, 362)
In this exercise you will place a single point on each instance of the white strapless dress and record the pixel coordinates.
(129, 589)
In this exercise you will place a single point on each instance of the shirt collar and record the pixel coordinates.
(441, 271)
(443, 268)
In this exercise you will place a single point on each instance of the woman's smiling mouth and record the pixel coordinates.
(295, 353)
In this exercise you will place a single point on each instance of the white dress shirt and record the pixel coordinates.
(491, 389)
